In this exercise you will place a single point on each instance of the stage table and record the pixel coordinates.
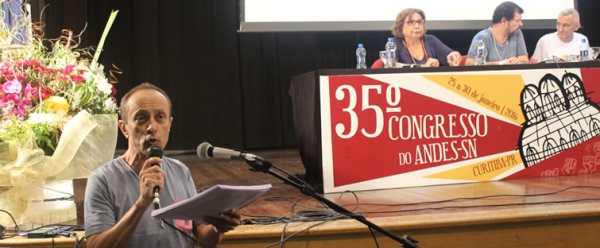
(386, 128)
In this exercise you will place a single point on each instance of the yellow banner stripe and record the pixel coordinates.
(499, 93)
(483, 170)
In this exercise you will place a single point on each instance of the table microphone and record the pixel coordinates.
(155, 151)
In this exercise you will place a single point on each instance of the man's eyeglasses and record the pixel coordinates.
(417, 22)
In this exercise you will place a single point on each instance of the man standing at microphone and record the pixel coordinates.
(119, 194)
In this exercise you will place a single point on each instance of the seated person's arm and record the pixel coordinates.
(446, 56)
(454, 58)
(470, 61)
(521, 49)
(432, 62)
(523, 59)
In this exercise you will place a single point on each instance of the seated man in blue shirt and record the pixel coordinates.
(504, 40)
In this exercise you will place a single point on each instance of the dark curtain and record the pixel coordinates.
(188, 48)
(228, 88)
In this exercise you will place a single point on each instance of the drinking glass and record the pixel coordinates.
(383, 57)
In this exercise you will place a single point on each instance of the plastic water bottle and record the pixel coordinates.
(584, 50)
(361, 57)
(479, 51)
(390, 49)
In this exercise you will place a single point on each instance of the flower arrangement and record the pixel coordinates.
(58, 116)
(43, 88)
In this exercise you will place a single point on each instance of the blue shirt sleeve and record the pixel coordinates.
(521, 48)
(98, 210)
(472, 52)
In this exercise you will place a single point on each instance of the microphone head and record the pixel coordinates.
(154, 151)
(202, 150)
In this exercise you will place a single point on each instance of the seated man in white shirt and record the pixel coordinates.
(562, 45)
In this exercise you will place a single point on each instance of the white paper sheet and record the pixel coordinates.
(211, 202)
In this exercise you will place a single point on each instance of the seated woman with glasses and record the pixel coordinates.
(413, 46)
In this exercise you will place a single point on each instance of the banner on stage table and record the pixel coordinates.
(415, 129)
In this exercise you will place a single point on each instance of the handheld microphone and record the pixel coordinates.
(206, 150)
(151, 152)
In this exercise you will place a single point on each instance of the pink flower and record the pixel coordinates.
(77, 79)
(10, 98)
(14, 105)
(7, 73)
(36, 62)
(27, 63)
(23, 107)
(30, 91)
(68, 69)
(12, 87)
(39, 69)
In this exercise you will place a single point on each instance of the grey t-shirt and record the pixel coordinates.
(514, 46)
(114, 187)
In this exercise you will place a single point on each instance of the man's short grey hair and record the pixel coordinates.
(571, 11)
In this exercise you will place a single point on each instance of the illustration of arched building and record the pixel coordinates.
(558, 116)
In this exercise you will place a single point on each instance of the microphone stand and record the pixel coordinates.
(259, 164)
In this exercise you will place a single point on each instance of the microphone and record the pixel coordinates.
(206, 150)
(151, 152)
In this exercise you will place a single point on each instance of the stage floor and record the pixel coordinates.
(544, 212)
(539, 212)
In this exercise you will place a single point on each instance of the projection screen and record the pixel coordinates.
(373, 15)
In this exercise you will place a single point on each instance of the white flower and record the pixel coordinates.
(103, 85)
(110, 105)
(76, 100)
(35, 118)
(100, 80)
(55, 120)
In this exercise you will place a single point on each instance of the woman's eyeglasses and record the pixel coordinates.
(417, 22)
